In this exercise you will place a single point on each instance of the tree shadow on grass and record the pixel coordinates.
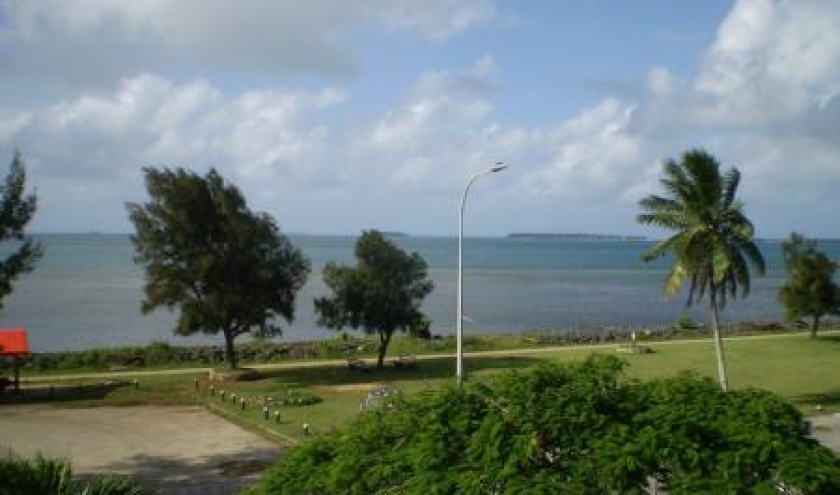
(425, 369)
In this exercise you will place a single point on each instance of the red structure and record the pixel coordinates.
(13, 343)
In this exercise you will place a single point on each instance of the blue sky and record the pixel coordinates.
(339, 116)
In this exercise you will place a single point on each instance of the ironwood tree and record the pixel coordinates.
(810, 290)
(16, 211)
(225, 268)
(382, 294)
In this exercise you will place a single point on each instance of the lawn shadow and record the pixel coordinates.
(425, 369)
(209, 475)
(825, 400)
(828, 338)
(63, 394)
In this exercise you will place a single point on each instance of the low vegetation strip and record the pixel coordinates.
(805, 371)
(163, 355)
(68, 367)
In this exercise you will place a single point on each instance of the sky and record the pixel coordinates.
(337, 116)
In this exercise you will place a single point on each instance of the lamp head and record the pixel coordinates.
(498, 167)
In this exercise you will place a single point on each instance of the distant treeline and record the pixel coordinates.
(575, 237)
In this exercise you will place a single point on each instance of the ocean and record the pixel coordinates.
(86, 291)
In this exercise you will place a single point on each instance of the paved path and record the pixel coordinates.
(179, 450)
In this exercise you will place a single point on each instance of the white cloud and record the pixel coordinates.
(593, 151)
(437, 127)
(437, 19)
(99, 142)
(764, 99)
(64, 45)
(772, 59)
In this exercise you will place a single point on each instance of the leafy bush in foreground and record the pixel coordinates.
(577, 429)
(42, 476)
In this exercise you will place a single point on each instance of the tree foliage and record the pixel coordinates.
(713, 244)
(576, 429)
(16, 210)
(226, 268)
(809, 289)
(381, 294)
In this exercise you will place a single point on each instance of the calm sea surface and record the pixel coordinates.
(86, 291)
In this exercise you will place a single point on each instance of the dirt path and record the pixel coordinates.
(178, 450)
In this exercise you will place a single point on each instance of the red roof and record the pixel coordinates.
(13, 341)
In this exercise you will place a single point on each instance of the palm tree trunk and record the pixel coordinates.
(721, 361)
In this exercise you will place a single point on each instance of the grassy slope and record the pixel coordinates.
(803, 370)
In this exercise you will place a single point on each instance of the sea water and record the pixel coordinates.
(87, 290)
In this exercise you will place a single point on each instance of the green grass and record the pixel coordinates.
(804, 370)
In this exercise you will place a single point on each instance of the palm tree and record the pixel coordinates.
(713, 242)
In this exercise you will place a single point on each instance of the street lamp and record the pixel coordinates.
(459, 333)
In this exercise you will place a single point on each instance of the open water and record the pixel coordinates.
(86, 291)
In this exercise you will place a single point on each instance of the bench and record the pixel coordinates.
(405, 361)
(357, 364)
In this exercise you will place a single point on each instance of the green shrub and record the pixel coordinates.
(576, 429)
(294, 398)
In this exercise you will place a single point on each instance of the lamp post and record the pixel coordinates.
(459, 333)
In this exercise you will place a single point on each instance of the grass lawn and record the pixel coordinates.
(805, 371)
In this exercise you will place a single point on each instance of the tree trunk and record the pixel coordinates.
(230, 353)
(815, 326)
(16, 365)
(721, 361)
(384, 340)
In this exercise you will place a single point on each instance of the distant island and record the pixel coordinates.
(575, 237)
